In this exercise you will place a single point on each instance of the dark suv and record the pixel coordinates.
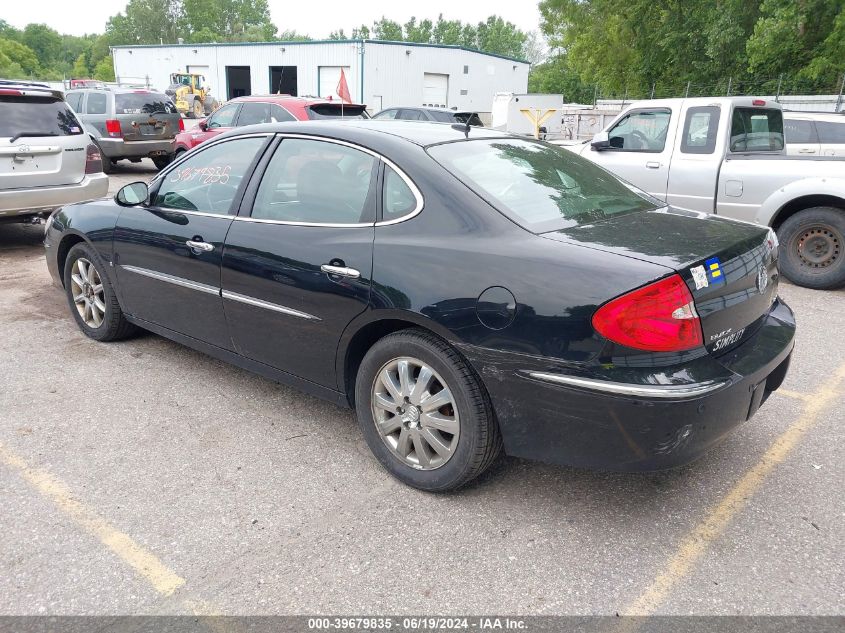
(128, 123)
(438, 115)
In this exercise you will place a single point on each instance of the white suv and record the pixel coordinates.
(46, 159)
(814, 133)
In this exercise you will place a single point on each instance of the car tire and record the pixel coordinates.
(162, 161)
(108, 164)
(197, 109)
(91, 297)
(812, 248)
(461, 455)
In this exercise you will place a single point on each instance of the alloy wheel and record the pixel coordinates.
(415, 413)
(86, 288)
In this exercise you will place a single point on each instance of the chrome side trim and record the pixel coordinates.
(177, 281)
(325, 224)
(678, 392)
(234, 296)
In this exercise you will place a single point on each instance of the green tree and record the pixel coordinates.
(386, 29)
(11, 69)
(21, 55)
(421, 32)
(80, 67)
(148, 22)
(338, 35)
(46, 42)
(500, 37)
(292, 36)
(104, 71)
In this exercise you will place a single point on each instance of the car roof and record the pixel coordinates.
(30, 89)
(431, 109)
(422, 133)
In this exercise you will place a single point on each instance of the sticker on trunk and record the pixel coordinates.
(699, 276)
(714, 270)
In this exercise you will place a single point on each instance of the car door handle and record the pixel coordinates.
(652, 164)
(806, 151)
(200, 246)
(341, 271)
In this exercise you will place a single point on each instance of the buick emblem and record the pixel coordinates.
(762, 279)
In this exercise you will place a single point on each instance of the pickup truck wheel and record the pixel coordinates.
(424, 412)
(812, 248)
(91, 297)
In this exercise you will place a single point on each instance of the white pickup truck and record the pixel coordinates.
(726, 156)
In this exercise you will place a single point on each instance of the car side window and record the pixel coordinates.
(641, 131)
(208, 180)
(253, 112)
(831, 132)
(224, 117)
(397, 198)
(316, 182)
(798, 131)
(96, 103)
(700, 128)
(411, 115)
(74, 100)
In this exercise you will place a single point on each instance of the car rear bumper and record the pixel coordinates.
(120, 148)
(18, 202)
(550, 415)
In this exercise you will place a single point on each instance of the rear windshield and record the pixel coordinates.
(42, 116)
(143, 103)
(540, 186)
(756, 130)
(332, 111)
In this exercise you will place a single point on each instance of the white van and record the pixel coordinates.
(814, 133)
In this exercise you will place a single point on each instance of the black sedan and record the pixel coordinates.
(463, 290)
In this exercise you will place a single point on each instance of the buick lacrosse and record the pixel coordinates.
(463, 290)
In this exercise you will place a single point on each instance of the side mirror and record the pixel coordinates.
(203, 125)
(600, 141)
(133, 194)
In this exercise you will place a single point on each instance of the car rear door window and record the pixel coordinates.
(387, 114)
(756, 130)
(398, 199)
(411, 115)
(253, 113)
(208, 181)
(96, 103)
(36, 115)
(799, 132)
(700, 129)
(641, 131)
(317, 182)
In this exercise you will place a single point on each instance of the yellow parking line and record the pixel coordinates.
(695, 545)
(163, 580)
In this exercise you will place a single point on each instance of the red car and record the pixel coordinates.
(265, 109)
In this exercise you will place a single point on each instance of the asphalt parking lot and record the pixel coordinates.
(145, 478)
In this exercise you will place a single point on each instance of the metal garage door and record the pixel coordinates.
(435, 90)
(329, 76)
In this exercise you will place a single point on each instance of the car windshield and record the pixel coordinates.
(142, 103)
(540, 186)
(43, 115)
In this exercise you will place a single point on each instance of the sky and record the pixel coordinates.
(286, 14)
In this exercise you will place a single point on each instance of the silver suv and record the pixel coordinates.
(128, 123)
(46, 159)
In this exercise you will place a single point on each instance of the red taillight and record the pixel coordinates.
(181, 125)
(93, 160)
(9, 91)
(660, 317)
(758, 102)
(113, 128)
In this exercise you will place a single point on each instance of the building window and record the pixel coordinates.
(463, 93)
(466, 70)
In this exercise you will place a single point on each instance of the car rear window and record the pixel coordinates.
(831, 132)
(333, 111)
(473, 118)
(143, 103)
(541, 187)
(43, 115)
(756, 130)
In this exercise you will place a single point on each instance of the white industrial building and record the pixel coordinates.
(380, 74)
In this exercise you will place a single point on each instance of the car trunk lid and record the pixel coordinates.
(729, 267)
(41, 142)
